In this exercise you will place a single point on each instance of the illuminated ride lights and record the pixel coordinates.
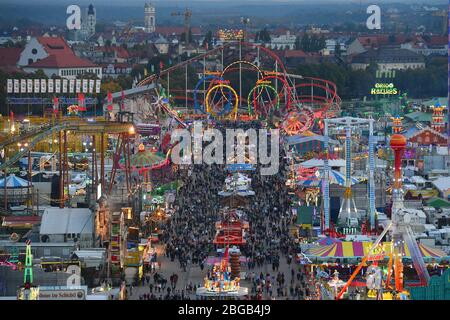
(224, 112)
(296, 122)
(261, 109)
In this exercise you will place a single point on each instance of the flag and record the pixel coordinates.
(55, 104)
(110, 100)
(161, 66)
(81, 102)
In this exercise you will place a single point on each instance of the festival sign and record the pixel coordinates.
(16, 86)
(85, 86)
(57, 85)
(78, 86)
(23, 85)
(50, 85)
(377, 253)
(9, 86)
(30, 85)
(71, 86)
(43, 86)
(64, 86)
(91, 86)
(231, 35)
(384, 88)
(37, 86)
(98, 86)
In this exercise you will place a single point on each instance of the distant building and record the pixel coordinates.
(88, 23)
(149, 18)
(53, 56)
(388, 59)
(428, 136)
(162, 44)
(117, 69)
(91, 20)
(284, 41)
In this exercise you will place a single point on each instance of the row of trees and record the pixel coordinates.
(351, 84)
(309, 43)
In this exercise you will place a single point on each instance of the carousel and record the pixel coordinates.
(144, 161)
(17, 190)
(221, 283)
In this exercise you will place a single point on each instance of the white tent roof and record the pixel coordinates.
(417, 179)
(68, 220)
(320, 163)
(442, 183)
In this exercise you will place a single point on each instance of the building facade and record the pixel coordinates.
(149, 18)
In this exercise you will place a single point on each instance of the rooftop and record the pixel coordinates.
(68, 220)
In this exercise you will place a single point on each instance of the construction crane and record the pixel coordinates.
(444, 16)
(187, 22)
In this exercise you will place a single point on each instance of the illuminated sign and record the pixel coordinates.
(212, 73)
(63, 293)
(230, 35)
(384, 88)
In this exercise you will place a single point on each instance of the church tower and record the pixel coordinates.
(91, 20)
(149, 18)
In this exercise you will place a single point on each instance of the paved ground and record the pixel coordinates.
(194, 275)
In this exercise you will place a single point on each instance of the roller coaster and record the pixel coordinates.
(235, 81)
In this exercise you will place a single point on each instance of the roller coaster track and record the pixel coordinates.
(24, 136)
(38, 137)
(77, 126)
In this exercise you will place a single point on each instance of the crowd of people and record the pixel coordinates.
(188, 236)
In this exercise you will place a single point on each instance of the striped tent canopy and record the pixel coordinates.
(328, 240)
(12, 181)
(348, 249)
(335, 177)
(146, 159)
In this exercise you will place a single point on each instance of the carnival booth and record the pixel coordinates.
(17, 190)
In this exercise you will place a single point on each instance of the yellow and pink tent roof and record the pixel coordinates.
(348, 249)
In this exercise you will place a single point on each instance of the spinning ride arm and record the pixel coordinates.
(416, 256)
(355, 273)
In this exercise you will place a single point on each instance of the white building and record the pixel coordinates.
(284, 41)
(68, 225)
(149, 18)
(53, 56)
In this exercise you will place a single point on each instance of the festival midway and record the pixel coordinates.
(151, 161)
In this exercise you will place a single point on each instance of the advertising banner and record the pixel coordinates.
(57, 85)
(30, 85)
(9, 86)
(43, 86)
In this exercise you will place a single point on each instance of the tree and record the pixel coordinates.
(110, 86)
(263, 36)
(337, 49)
(208, 40)
(297, 43)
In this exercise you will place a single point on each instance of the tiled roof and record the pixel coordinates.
(295, 54)
(9, 56)
(62, 61)
(54, 45)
